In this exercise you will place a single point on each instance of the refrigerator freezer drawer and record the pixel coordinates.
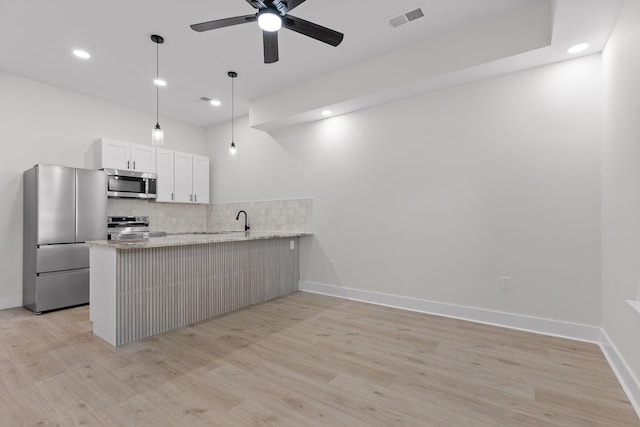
(62, 289)
(62, 257)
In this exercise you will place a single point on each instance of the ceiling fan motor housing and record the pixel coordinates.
(276, 5)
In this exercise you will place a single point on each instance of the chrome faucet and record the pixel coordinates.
(246, 220)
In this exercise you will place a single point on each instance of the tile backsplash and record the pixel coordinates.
(169, 217)
(269, 215)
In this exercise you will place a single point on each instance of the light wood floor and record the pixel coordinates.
(303, 360)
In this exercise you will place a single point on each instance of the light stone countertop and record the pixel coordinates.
(196, 239)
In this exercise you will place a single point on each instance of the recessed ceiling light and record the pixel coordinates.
(81, 54)
(160, 82)
(581, 47)
(326, 113)
(216, 103)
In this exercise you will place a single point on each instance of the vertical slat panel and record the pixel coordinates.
(159, 289)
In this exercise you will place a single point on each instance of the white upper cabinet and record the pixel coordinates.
(166, 174)
(143, 158)
(183, 182)
(112, 154)
(200, 179)
(182, 177)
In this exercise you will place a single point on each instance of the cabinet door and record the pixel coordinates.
(183, 182)
(143, 158)
(166, 175)
(114, 154)
(200, 179)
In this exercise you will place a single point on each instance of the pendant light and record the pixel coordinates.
(157, 134)
(233, 150)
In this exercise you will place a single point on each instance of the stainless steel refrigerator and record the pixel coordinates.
(63, 207)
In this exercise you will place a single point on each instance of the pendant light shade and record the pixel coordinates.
(157, 134)
(233, 150)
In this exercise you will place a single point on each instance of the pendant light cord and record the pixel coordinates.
(157, 86)
(232, 109)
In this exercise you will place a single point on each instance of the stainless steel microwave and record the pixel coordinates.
(131, 184)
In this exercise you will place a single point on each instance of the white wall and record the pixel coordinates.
(621, 186)
(44, 124)
(439, 196)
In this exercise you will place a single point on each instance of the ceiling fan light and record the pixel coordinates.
(269, 21)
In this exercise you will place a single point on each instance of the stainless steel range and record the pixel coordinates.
(130, 228)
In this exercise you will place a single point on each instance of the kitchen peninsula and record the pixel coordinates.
(139, 289)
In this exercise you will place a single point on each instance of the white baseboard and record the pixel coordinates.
(592, 334)
(10, 302)
(507, 320)
(628, 381)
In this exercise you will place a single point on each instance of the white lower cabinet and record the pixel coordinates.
(182, 177)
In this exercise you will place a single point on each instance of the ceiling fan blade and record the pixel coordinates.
(312, 30)
(270, 42)
(221, 23)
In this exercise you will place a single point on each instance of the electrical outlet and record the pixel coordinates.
(506, 282)
(292, 244)
(334, 264)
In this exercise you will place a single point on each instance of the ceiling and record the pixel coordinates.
(39, 36)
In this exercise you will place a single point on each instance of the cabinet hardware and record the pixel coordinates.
(195, 197)
(128, 164)
(134, 165)
(172, 196)
(191, 197)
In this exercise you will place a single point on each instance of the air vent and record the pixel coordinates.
(412, 15)
(205, 99)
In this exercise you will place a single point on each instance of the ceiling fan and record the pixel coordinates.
(271, 16)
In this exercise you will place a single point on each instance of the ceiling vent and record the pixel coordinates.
(205, 99)
(412, 15)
